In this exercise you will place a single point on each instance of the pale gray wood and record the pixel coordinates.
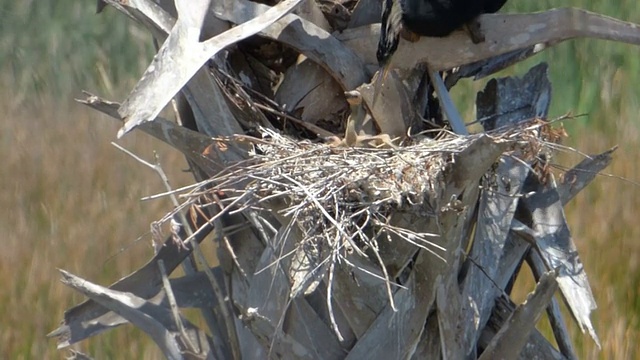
(359, 294)
(159, 16)
(508, 101)
(334, 316)
(558, 325)
(449, 302)
(366, 12)
(90, 318)
(581, 175)
(394, 334)
(179, 58)
(512, 337)
(553, 240)
(197, 147)
(391, 107)
(284, 324)
(498, 204)
(210, 109)
(572, 183)
(464, 172)
(153, 320)
(188, 290)
(192, 13)
(267, 307)
(287, 326)
(149, 14)
(310, 11)
(429, 344)
(504, 33)
(537, 346)
(303, 323)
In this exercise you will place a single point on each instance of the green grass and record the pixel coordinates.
(58, 47)
(70, 200)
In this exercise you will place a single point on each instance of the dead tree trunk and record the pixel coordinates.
(348, 227)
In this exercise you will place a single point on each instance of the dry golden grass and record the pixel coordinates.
(605, 225)
(70, 200)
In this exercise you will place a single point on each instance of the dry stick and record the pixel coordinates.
(175, 311)
(406, 236)
(224, 237)
(375, 276)
(332, 316)
(176, 191)
(559, 327)
(309, 126)
(387, 280)
(201, 260)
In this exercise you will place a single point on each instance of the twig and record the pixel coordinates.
(174, 307)
(200, 259)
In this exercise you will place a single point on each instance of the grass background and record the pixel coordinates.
(68, 199)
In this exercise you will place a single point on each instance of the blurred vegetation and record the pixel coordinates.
(59, 46)
(70, 200)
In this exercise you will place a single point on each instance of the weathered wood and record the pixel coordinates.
(559, 327)
(510, 340)
(509, 101)
(180, 57)
(578, 177)
(361, 303)
(358, 287)
(90, 318)
(199, 148)
(504, 33)
(338, 60)
(537, 346)
(210, 109)
(484, 68)
(497, 207)
(407, 321)
(306, 90)
(556, 246)
(156, 321)
(266, 316)
(366, 12)
(148, 13)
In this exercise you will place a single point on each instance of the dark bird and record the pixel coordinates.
(434, 18)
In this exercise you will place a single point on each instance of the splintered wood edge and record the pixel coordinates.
(508, 342)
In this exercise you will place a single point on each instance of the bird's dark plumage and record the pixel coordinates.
(437, 18)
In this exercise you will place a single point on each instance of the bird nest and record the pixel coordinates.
(340, 200)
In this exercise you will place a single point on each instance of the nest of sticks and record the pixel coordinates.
(341, 199)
